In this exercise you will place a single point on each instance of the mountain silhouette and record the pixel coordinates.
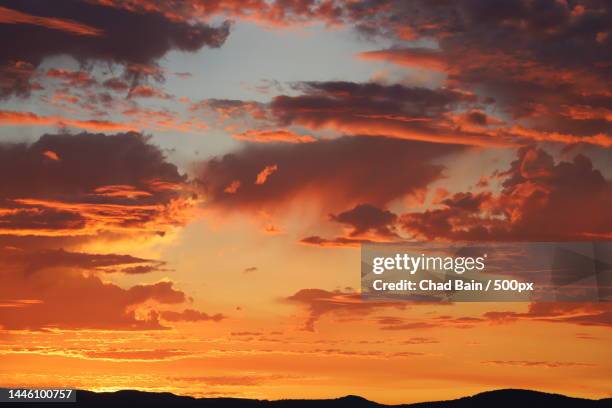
(490, 399)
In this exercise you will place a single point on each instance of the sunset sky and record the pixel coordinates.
(185, 185)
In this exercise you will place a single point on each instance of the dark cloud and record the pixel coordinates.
(367, 223)
(65, 191)
(320, 302)
(30, 261)
(375, 109)
(540, 200)
(86, 184)
(17, 77)
(338, 173)
(276, 13)
(108, 34)
(543, 63)
(365, 218)
(316, 240)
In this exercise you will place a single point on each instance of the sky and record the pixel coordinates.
(185, 187)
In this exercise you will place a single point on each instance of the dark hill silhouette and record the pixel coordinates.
(490, 399)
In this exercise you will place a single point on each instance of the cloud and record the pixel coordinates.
(338, 242)
(68, 299)
(190, 315)
(30, 261)
(374, 109)
(421, 340)
(273, 136)
(392, 323)
(161, 120)
(57, 289)
(117, 184)
(93, 33)
(246, 333)
(365, 218)
(105, 353)
(263, 175)
(542, 63)
(267, 13)
(12, 118)
(232, 187)
(444, 115)
(367, 223)
(65, 190)
(10, 16)
(581, 314)
(411, 57)
(116, 84)
(72, 78)
(147, 91)
(536, 194)
(321, 302)
(233, 380)
(17, 77)
(537, 363)
(339, 172)
(230, 108)
(51, 155)
(136, 354)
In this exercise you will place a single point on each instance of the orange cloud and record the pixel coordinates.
(273, 136)
(599, 139)
(58, 289)
(230, 108)
(537, 363)
(9, 16)
(147, 91)
(587, 112)
(51, 155)
(13, 118)
(338, 242)
(163, 120)
(411, 57)
(232, 187)
(125, 191)
(74, 301)
(263, 175)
